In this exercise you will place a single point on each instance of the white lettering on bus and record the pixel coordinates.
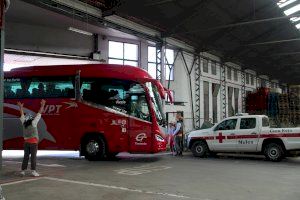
(52, 109)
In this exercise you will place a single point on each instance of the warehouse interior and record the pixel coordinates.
(216, 58)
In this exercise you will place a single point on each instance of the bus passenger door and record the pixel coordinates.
(140, 125)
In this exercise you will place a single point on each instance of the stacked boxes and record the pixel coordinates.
(282, 109)
(273, 105)
(294, 104)
(283, 106)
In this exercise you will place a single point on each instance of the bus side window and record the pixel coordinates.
(8, 93)
(55, 88)
(11, 85)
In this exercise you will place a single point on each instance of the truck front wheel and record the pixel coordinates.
(274, 152)
(200, 149)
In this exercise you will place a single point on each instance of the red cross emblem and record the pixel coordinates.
(220, 137)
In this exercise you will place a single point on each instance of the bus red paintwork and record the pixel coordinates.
(66, 121)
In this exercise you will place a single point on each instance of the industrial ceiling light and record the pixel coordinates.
(80, 31)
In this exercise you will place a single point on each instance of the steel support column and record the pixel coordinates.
(197, 93)
(189, 71)
(223, 90)
(3, 7)
(158, 62)
(160, 66)
(243, 91)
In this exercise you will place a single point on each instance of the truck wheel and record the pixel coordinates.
(94, 148)
(274, 152)
(200, 149)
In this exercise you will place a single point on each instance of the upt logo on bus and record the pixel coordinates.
(52, 109)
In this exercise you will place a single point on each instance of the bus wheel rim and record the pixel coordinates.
(92, 147)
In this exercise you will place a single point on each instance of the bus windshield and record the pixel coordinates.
(157, 102)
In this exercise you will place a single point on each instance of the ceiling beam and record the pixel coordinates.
(220, 34)
(285, 54)
(245, 23)
(273, 42)
(161, 2)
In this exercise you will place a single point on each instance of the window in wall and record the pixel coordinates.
(44, 87)
(228, 73)
(169, 62)
(154, 59)
(236, 100)
(205, 65)
(215, 92)
(213, 68)
(252, 79)
(122, 53)
(248, 123)
(263, 83)
(235, 73)
(247, 78)
(206, 100)
(230, 107)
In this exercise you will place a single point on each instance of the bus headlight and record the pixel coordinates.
(159, 138)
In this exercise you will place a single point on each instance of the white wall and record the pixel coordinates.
(181, 81)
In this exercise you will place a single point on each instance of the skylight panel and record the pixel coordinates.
(292, 10)
(295, 19)
(284, 3)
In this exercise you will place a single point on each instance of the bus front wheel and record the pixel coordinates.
(94, 148)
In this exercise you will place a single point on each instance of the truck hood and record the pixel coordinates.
(198, 133)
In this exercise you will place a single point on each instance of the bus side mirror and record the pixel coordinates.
(169, 94)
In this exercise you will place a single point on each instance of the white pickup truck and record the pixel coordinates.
(247, 133)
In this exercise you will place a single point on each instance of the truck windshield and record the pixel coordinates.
(157, 102)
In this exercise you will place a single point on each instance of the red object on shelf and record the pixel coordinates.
(257, 101)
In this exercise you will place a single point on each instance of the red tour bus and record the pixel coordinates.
(98, 109)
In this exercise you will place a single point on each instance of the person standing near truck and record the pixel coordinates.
(31, 137)
(171, 129)
(178, 134)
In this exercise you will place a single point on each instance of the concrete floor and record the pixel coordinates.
(136, 177)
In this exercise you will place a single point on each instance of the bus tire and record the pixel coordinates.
(94, 148)
(200, 149)
(274, 152)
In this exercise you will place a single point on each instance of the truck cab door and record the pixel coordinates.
(248, 134)
(224, 136)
